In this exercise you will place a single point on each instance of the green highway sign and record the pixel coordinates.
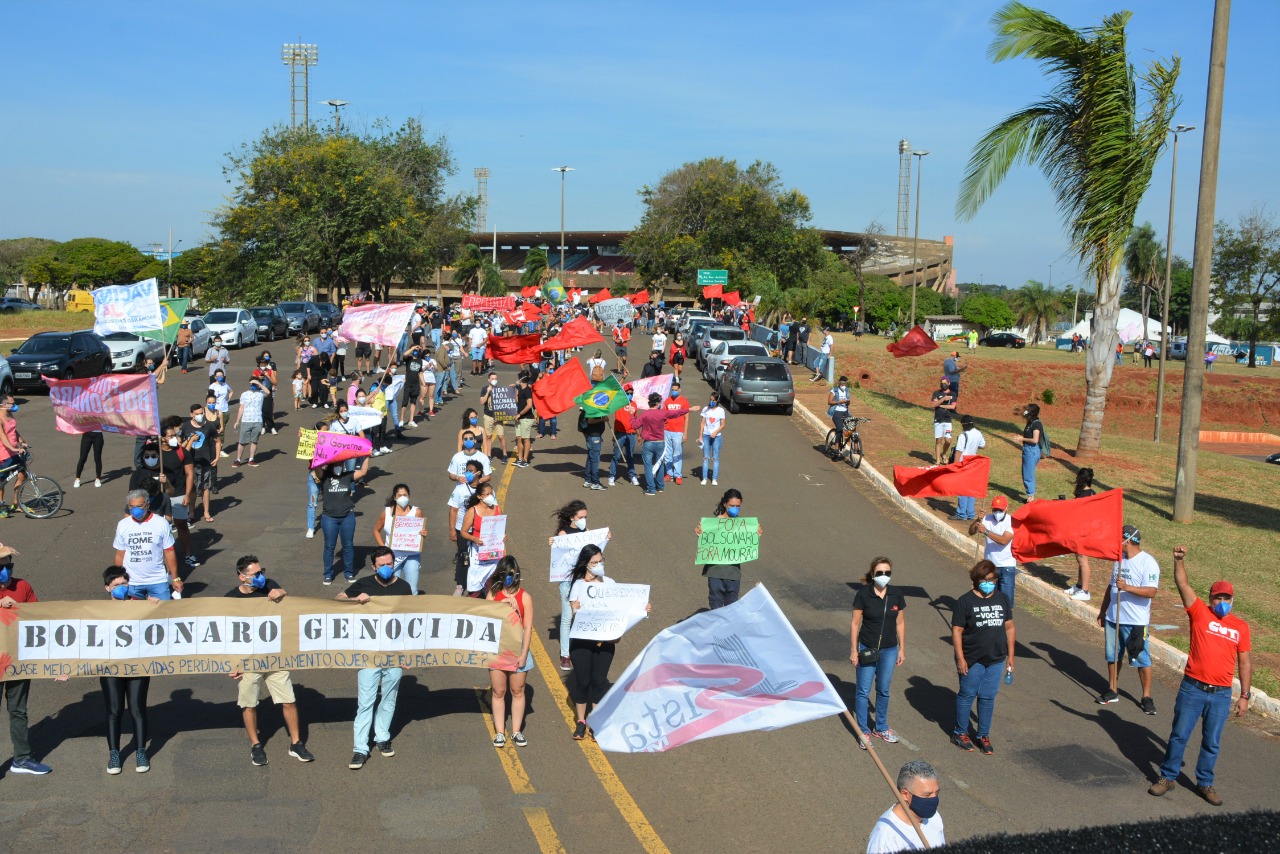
(713, 277)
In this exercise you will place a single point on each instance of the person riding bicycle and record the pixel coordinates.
(838, 405)
(11, 448)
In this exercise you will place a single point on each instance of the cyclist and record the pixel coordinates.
(11, 448)
(838, 405)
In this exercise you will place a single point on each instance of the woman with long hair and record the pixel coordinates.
(1030, 441)
(470, 424)
(407, 563)
(570, 519)
(481, 505)
(504, 586)
(121, 691)
(678, 355)
(878, 635)
(591, 659)
(724, 580)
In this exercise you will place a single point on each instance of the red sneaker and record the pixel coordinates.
(679, 481)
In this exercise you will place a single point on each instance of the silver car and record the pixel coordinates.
(130, 352)
(756, 381)
(712, 335)
(235, 326)
(724, 352)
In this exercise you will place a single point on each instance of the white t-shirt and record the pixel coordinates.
(144, 544)
(1141, 570)
(476, 337)
(659, 341)
(891, 834)
(712, 418)
(222, 395)
(994, 552)
(970, 442)
(578, 590)
(593, 362)
(462, 492)
(458, 465)
(827, 343)
(251, 407)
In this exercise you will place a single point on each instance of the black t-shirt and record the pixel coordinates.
(486, 400)
(595, 426)
(1032, 427)
(983, 640)
(879, 616)
(336, 492)
(804, 333)
(237, 593)
(149, 480)
(793, 331)
(203, 455)
(371, 585)
(174, 461)
(524, 395)
(942, 415)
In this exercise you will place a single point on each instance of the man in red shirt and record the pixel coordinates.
(624, 444)
(621, 337)
(673, 438)
(1219, 643)
(15, 592)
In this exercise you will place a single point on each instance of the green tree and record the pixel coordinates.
(1246, 270)
(86, 261)
(468, 268)
(15, 253)
(1144, 265)
(491, 281)
(887, 302)
(712, 214)
(535, 268)
(1094, 147)
(989, 312)
(1180, 295)
(1037, 307)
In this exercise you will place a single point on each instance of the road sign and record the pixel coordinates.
(713, 277)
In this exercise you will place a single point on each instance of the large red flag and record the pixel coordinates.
(968, 477)
(600, 296)
(639, 298)
(554, 393)
(515, 350)
(915, 343)
(1083, 526)
(529, 292)
(479, 303)
(731, 298)
(712, 291)
(576, 333)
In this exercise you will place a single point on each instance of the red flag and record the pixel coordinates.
(915, 343)
(967, 477)
(712, 291)
(600, 296)
(555, 393)
(576, 333)
(478, 303)
(731, 298)
(1083, 526)
(529, 292)
(639, 298)
(516, 349)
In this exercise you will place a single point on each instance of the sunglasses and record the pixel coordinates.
(882, 573)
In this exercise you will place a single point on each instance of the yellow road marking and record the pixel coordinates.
(511, 764)
(540, 823)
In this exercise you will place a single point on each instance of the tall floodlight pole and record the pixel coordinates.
(337, 104)
(1184, 484)
(915, 242)
(169, 282)
(299, 57)
(1168, 278)
(562, 170)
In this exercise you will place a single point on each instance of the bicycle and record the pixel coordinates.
(850, 445)
(39, 497)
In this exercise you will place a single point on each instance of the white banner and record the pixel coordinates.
(608, 611)
(393, 387)
(612, 310)
(127, 308)
(362, 418)
(382, 325)
(735, 669)
(642, 388)
(565, 549)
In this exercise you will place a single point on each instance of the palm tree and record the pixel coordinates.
(491, 281)
(1094, 148)
(535, 267)
(1144, 264)
(1037, 307)
(467, 268)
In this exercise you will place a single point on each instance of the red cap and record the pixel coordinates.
(1001, 502)
(1222, 587)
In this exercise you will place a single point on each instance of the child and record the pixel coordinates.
(299, 389)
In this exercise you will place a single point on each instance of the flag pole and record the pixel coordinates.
(863, 740)
(1115, 671)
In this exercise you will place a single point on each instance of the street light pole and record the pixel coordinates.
(915, 242)
(1168, 279)
(336, 103)
(562, 170)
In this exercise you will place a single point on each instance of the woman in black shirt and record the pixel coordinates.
(878, 635)
(339, 516)
(983, 636)
(1030, 440)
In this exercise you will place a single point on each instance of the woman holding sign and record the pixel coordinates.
(724, 580)
(508, 676)
(482, 504)
(570, 519)
(339, 517)
(398, 526)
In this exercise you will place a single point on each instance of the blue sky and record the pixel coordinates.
(117, 115)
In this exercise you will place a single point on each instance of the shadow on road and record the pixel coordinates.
(932, 702)
(1136, 743)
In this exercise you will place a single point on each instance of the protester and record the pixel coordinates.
(793, 339)
(493, 428)
(482, 505)
(968, 444)
(470, 424)
(621, 337)
(413, 363)
(176, 461)
(591, 659)
(624, 444)
(12, 447)
(724, 580)
(592, 430)
(16, 591)
(525, 420)
(430, 380)
(997, 526)
(678, 355)
(675, 433)
(200, 435)
(650, 424)
(838, 405)
(119, 691)
(944, 410)
(878, 635)
(476, 340)
(824, 355)
(951, 370)
(1030, 441)
(1220, 642)
(144, 547)
(217, 357)
(1148, 353)
(458, 463)
(407, 563)
(472, 471)
(802, 340)
(918, 785)
(90, 441)
(973, 340)
(982, 633)
(339, 515)
(1135, 581)
(185, 338)
(372, 680)
(504, 586)
(1083, 489)
(597, 367)
(249, 421)
(653, 367)
(713, 420)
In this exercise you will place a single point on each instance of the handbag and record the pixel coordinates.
(868, 657)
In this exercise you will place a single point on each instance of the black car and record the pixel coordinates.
(271, 320)
(330, 314)
(61, 355)
(304, 317)
(1003, 339)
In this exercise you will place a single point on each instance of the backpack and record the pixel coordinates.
(597, 374)
(582, 421)
(1046, 449)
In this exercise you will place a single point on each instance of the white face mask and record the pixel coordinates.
(403, 501)
(173, 441)
(881, 580)
(199, 419)
(493, 382)
(597, 570)
(998, 514)
(360, 398)
(580, 524)
(491, 500)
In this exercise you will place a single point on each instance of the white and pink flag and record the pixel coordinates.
(382, 325)
(641, 389)
(114, 403)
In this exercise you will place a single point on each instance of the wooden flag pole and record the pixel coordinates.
(862, 739)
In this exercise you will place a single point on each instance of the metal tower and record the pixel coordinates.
(904, 186)
(299, 57)
(482, 193)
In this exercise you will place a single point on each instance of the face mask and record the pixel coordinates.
(403, 501)
(151, 462)
(138, 513)
(222, 380)
(733, 512)
(469, 444)
(987, 587)
(173, 441)
(491, 500)
(198, 418)
(580, 524)
(212, 407)
(926, 808)
(470, 476)
(597, 570)
(387, 571)
(1222, 609)
(493, 382)
(342, 416)
(1025, 413)
(5, 574)
(881, 580)
(711, 404)
(844, 388)
(217, 343)
(998, 515)
(675, 392)
(360, 398)
(306, 343)
(474, 421)
(120, 592)
(258, 581)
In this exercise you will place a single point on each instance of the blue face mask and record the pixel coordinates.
(470, 476)
(13, 409)
(138, 513)
(386, 571)
(468, 444)
(733, 511)
(987, 587)
(222, 380)
(120, 592)
(926, 808)
(473, 421)
(1222, 608)
(5, 574)
(258, 581)
(675, 392)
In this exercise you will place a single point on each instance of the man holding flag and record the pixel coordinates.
(1126, 615)
(598, 406)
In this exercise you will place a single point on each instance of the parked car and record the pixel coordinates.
(756, 381)
(1003, 339)
(693, 330)
(331, 315)
(719, 356)
(304, 317)
(61, 355)
(272, 322)
(235, 326)
(6, 377)
(9, 305)
(689, 316)
(709, 337)
(1178, 350)
(130, 352)
(201, 339)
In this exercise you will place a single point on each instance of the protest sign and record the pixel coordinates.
(478, 303)
(362, 418)
(127, 308)
(191, 637)
(608, 611)
(502, 399)
(306, 443)
(493, 533)
(380, 325)
(612, 310)
(565, 549)
(406, 534)
(339, 447)
(728, 540)
(642, 388)
(115, 403)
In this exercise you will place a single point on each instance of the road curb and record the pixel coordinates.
(1160, 651)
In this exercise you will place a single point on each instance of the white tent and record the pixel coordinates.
(1128, 322)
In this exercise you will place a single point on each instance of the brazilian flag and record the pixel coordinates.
(172, 310)
(554, 291)
(605, 398)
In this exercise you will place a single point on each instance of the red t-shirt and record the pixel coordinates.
(1214, 644)
(676, 425)
(622, 421)
(621, 335)
(18, 590)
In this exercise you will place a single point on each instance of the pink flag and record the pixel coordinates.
(641, 389)
(382, 325)
(115, 403)
(339, 447)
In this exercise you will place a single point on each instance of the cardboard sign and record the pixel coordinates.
(406, 534)
(728, 541)
(503, 401)
(306, 443)
(611, 311)
(493, 532)
(565, 549)
(608, 611)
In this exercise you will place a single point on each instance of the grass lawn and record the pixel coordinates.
(19, 326)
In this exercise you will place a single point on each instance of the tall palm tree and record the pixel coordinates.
(1037, 307)
(1094, 148)
(467, 268)
(535, 267)
(491, 281)
(1144, 264)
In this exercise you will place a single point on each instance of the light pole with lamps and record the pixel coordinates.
(337, 104)
(562, 170)
(915, 242)
(1168, 279)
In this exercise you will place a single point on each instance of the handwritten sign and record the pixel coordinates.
(406, 534)
(493, 533)
(728, 540)
(611, 311)
(362, 418)
(127, 308)
(608, 611)
(306, 443)
(503, 402)
(565, 549)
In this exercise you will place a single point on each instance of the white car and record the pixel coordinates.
(6, 377)
(235, 326)
(130, 352)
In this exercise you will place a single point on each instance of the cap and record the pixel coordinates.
(1131, 534)
(1218, 588)
(10, 551)
(1000, 502)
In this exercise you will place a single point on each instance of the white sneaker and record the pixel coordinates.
(457, 590)
(412, 424)
(97, 482)
(704, 481)
(1072, 590)
(1081, 596)
(76, 484)
(715, 482)
(224, 455)
(311, 532)
(274, 431)
(635, 481)
(385, 449)
(612, 481)
(375, 453)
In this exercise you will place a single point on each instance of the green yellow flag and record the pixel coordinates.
(173, 310)
(554, 291)
(605, 398)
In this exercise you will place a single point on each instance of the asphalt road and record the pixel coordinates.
(1060, 761)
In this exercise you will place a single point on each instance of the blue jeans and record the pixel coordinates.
(982, 681)
(594, 444)
(408, 567)
(673, 444)
(1191, 706)
(566, 617)
(722, 591)
(1008, 582)
(393, 411)
(184, 356)
(367, 682)
(711, 455)
(160, 590)
(651, 453)
(966, 507)
(820, 365)
(1030, 456)
(453, 377)
(334, 527)
(625, 449)
(881, 673)
(548, 427)
(313, 501)
(435, 338)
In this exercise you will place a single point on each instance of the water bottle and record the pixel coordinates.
(177, 594)
(1008, 676)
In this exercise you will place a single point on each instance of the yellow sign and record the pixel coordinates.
(307, 443)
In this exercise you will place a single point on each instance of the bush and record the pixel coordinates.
(1047, 396)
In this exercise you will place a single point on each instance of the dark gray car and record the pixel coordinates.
(710, 337)
(304, 317)
(272, 322)
(756, 381)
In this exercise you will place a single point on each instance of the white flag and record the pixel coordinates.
(642, 388)
(383, 325)
(734, 669)
(127, 308)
